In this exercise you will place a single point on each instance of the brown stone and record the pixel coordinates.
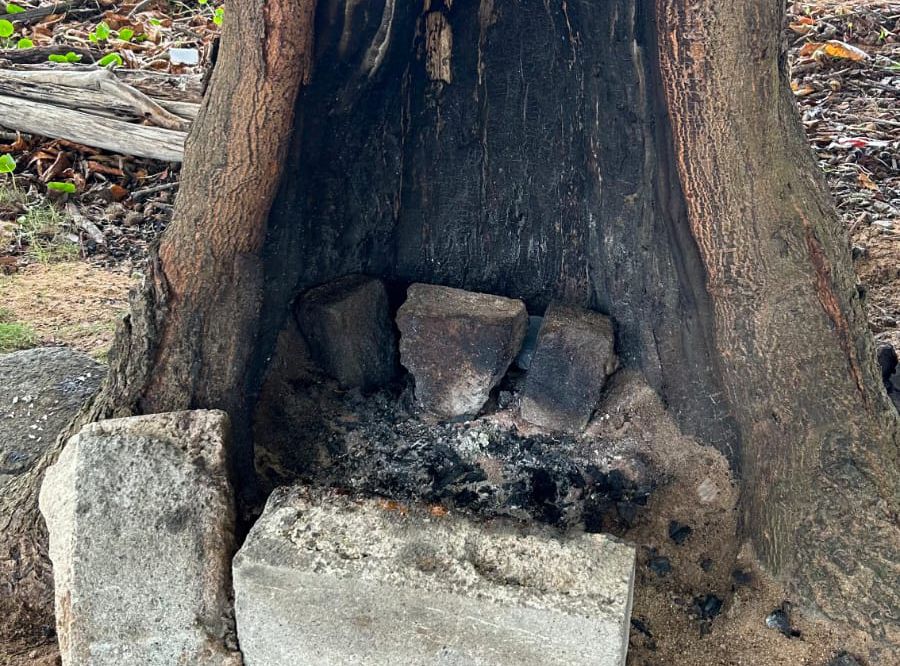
(347, 325)
(458, 345)
(575, 354)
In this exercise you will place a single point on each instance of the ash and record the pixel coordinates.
(378, 446)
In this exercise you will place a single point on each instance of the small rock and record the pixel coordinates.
(844, 658)
(347, 325)
(859, 252)
(659, 565)
(141, 523)
(708, 606)
(458, 345)
(741, 577)
(779, 619)
(679, 532)
(887, 360)
(575, 354)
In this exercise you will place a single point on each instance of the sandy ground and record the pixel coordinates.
(73, 304)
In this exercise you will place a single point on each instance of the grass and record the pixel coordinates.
(15, 335)
(41, 229)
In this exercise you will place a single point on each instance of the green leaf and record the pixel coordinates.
(7, 163)
(6, 28)
(102, 30)
(125, 34)
(56, 186)
(155, 22)
(219, 15)
(202, 2)
(24, 43)
(12, 8)
(55, 57)
(71, 56)
(140, 38)
(93, 37)
(110, 59)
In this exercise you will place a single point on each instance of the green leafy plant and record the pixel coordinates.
(7, 163)
(110, 59)
(58, 186)
(13, 8)
(154, 21)
(100, 33)
(24, 43)
(219, 15)
(6, 28)
(70, 57)
(125, 34)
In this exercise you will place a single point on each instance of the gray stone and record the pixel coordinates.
(458, 345)
(523, 360)
(348, 328)
(41, 390)
(141, 524)
(324, 579)
(575, 354)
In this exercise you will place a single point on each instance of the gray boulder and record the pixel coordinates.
(141, 524)
(458, 345)
(575, 353)
(41, 390)
(326, 580)
(347, 326)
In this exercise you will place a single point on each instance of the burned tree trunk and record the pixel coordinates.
(638, 157)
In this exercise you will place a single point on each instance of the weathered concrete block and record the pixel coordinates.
(141, 522)
(458, 345)
(40, 391)
(327, 580)
(348, 328)
(575, 354)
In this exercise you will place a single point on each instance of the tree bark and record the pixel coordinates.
(819, 437)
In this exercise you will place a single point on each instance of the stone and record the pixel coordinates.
(325, 579)
(41, 390)
(141, 522)
(458, 345)
(348, 328)
(575, 354)
(523, 360)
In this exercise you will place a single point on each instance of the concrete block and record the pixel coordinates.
(141, 524)
(458, 345)
(326, 580)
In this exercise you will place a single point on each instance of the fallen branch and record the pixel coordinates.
(88, 227)
(31, 15)
(115, 135)
(107, 85)
(39, 54)
(82, 99)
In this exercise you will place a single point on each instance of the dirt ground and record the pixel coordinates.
(72, 303)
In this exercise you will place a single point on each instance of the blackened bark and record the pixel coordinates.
(542, 171)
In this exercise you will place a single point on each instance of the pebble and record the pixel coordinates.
(679, 532)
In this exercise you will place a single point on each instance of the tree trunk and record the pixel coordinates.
(190, 330)
(639, 157)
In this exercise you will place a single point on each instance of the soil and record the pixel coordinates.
(71, 303)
